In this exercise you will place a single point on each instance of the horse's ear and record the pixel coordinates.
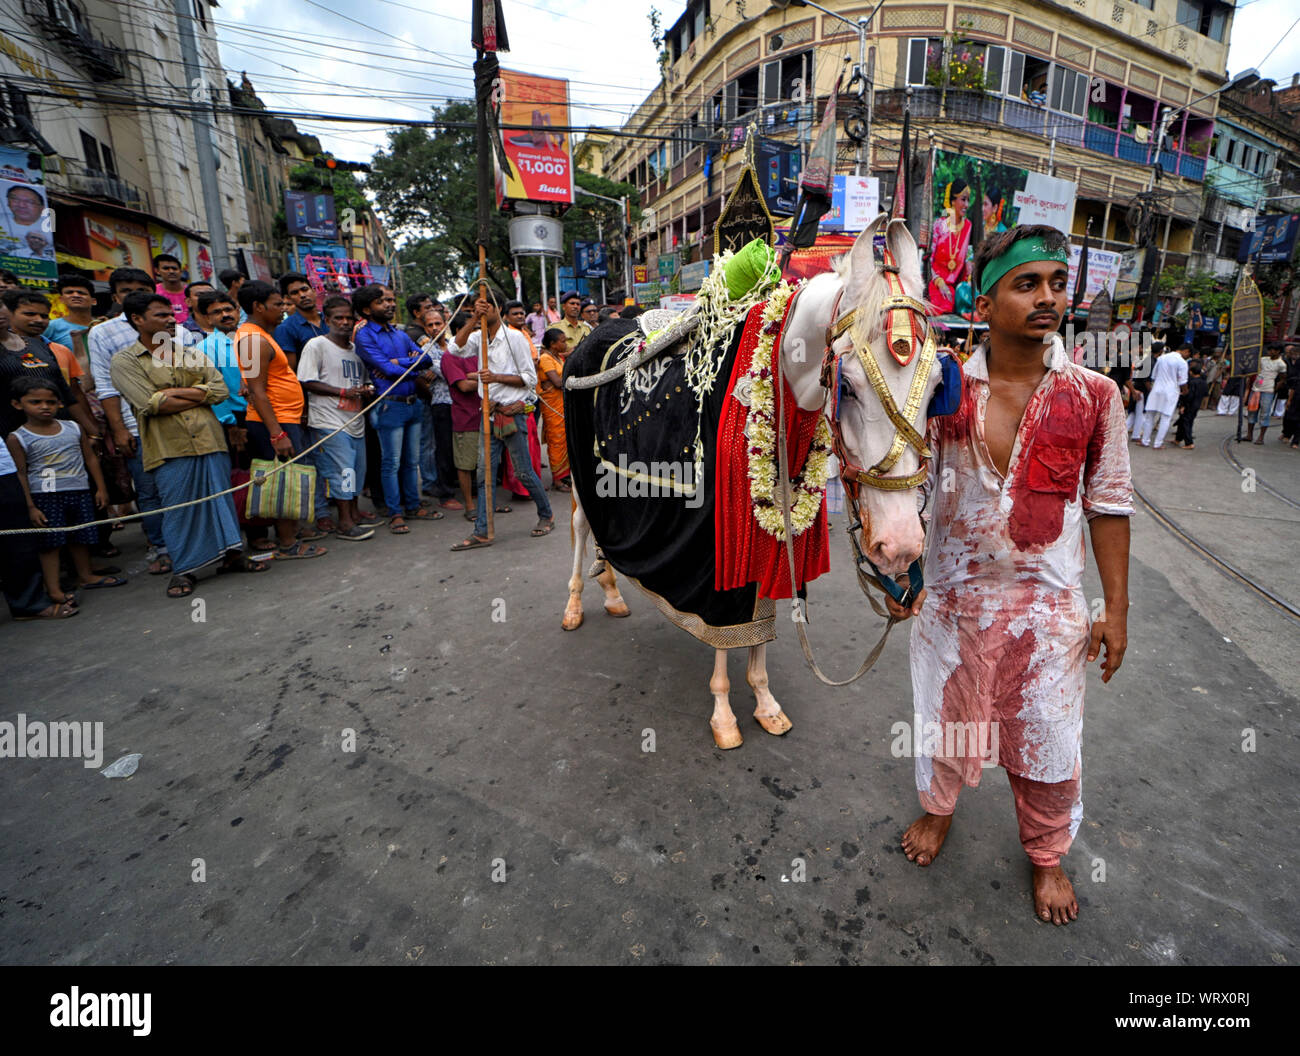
(862, 257)
(903, 249)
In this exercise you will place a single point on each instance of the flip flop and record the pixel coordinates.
(399, 529)
(544, 527)
(503, 509)
(309, 535)
(60, 610)
(107, 581)
(299, 551)
(264, 545)
(425, 514)
(472, 543)
(181, 586)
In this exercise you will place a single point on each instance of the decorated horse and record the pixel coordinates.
(699, 447)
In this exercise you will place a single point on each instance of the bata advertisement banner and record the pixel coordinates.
(26, 220)
(539, 152)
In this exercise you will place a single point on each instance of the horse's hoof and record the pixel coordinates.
(571, 621)
(727, 736)
(775, 724)
(618, 608)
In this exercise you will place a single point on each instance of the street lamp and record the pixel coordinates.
(627, 245)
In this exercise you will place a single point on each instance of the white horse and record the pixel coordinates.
(893, 536)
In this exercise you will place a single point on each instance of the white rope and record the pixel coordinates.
(241, 487)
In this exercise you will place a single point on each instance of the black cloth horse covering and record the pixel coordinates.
(663, 542)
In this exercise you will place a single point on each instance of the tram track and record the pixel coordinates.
(1208, 555)
(1232, 460)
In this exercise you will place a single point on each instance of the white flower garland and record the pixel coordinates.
(809, 487)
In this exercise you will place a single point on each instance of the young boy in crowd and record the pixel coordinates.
(55, 468)
(466, 420)
(330, 369)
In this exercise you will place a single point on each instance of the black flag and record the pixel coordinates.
(489, 27)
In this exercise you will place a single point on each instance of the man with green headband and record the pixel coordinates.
(1037, 448)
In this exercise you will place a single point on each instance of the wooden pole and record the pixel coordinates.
(487, 413)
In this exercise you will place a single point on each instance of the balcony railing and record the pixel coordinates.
(76, 179)
(985, 109)
(101, 60)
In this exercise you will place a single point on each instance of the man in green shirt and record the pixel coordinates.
(572, 325)
(172, 391)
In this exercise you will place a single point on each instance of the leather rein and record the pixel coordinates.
(906, 327)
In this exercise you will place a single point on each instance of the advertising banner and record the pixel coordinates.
(778, 166)
(1272, 241)
(1007, 196)
(693, 275)
(1103, 273)
(121, 243)
(589, 260)
(1046, 200)
(542, 159)
(26, 220)
(854, 204)
(310, 215)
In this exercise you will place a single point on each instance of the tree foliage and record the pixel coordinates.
(425, 185)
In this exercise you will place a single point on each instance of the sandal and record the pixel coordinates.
(160, 565)
(106, 581)
(425, 514)
(503, 509)
(60, 610)
(243, 564)
(263, 545)
(472, 543)
(299, 551)
(544, 527)
(399, 529)
(563, 486)
(181, 586)
(309, 535)
(327, 525)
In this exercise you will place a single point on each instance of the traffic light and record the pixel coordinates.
(324, 161)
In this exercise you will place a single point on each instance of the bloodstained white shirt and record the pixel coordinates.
(1002, 636)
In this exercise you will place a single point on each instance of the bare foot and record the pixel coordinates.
(924, 837)
(1054, 895)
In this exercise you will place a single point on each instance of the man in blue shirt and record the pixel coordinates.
(304, 321)
(78, 296)
(222, 315)
(389, 353)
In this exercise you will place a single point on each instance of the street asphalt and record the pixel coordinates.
(499, 806)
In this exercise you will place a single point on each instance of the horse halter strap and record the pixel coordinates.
(905, 329)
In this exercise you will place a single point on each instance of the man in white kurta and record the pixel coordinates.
(1168, 382)
(1003, 632)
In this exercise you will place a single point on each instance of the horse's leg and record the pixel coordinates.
(726, 731)
(578, 532)
(614, 603)
(766, 710)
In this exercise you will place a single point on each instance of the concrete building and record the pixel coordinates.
(1076, 89)
(104, 86)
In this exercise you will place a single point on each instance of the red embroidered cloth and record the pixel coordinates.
(744, 553)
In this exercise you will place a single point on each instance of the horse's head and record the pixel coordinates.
(881, 372)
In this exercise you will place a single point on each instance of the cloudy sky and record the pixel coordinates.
(398, 57)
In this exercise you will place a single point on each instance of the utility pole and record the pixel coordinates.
(204, 149)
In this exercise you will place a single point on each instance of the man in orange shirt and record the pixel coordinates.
(275, 400)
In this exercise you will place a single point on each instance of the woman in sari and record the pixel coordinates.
(550, 385)
(951, 241)
(994, 206)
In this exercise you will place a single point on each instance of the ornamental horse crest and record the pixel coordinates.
(703, 478)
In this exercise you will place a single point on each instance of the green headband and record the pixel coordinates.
(1021, 252)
